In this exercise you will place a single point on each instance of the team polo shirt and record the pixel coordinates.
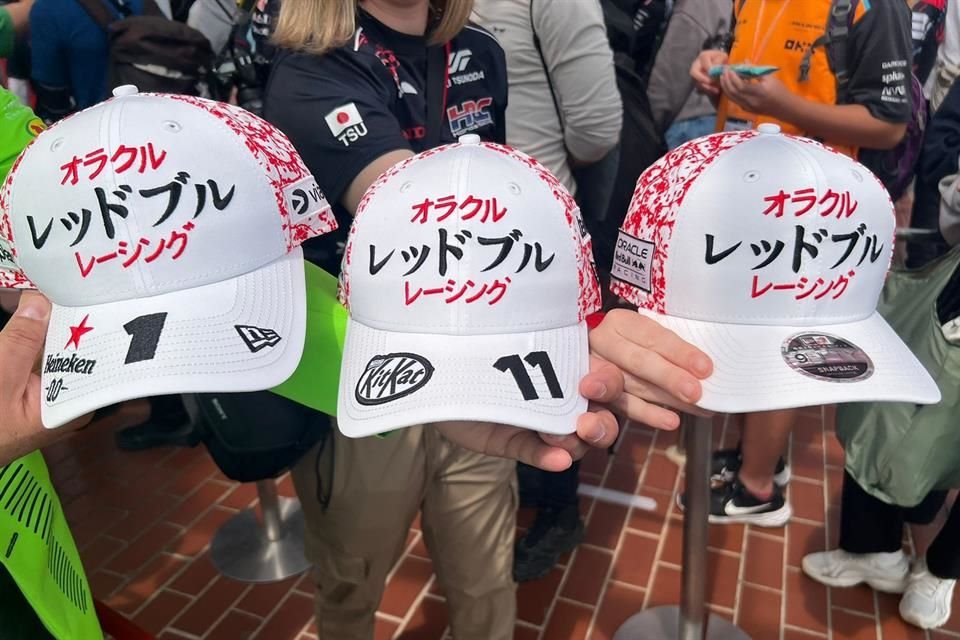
(346, 108)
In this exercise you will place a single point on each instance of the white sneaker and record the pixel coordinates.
(926, 602)
(887, 572)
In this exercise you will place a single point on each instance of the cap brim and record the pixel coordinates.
(752, 374)
(436, 378)
(242, 334)
(315, 382)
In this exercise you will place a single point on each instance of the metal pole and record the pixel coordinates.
(262, 545)
(693, 605)
(270, 509)
(689, 621)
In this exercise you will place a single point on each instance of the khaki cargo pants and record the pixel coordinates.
(468, 503)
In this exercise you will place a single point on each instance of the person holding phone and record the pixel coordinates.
(802, 96)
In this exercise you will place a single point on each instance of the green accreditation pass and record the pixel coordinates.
(39, 553)
(316, 381)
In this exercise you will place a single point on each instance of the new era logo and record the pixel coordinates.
(459, 60)
(256, 338)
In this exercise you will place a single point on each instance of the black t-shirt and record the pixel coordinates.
(879, 61)
(346, 108)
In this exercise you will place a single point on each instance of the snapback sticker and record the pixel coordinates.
(391, 377)
(632, 261)
(825, 357)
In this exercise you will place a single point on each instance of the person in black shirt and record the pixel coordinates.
(380, 73)
(378, 485)
(360, 496)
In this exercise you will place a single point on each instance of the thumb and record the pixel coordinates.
(21, 341)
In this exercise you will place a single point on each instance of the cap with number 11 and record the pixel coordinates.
(468, 278)
(166, 231)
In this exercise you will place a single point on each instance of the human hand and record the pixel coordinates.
(21, 345)
(658, 367)
(700, 70)
(596, 428)
(765, 95)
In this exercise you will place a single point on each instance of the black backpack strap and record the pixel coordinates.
(99, 12)
(835, 40)
(546, 70)
(436, 81)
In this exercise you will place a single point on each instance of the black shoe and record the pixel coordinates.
(169, 426)
(726, 463)
(554, 533)
(732, 503)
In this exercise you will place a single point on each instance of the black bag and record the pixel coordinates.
(641, 144)
(257, 436)
(151, 51)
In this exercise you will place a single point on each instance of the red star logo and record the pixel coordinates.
(78, 332)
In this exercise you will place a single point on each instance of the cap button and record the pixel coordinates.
(769, 127)
(125, 90)
(470, 138)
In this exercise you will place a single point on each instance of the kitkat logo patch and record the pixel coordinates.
(391, 377)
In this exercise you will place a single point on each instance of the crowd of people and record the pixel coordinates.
(596, 90)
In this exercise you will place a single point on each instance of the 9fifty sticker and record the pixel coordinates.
(631, 261)
(828, 358)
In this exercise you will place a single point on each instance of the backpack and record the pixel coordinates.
(636, 28)
(641, 144)
(151, 51)
(895, 167)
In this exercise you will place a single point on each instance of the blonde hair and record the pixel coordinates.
(317, 26)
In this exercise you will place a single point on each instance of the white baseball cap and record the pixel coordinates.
(165, 230)
(468, 277)
(769, 252)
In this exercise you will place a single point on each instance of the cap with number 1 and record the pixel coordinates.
(166, 231)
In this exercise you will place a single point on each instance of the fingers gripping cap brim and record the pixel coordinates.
(393, 380)
(242, 334)
(763, 368)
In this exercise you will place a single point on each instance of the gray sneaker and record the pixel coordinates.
(887, 572)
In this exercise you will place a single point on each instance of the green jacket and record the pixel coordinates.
(898, 452)
(37, 552)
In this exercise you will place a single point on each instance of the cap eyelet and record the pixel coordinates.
(514, 188)
(751, 176)
(172, 126)
(406, 186)
(857, 175)
(56, 144)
